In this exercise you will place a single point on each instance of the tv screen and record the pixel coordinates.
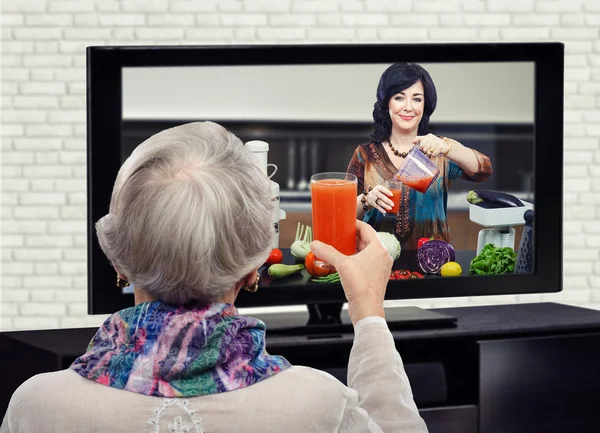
(468, 230)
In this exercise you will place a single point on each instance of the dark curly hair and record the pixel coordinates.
(395, 79)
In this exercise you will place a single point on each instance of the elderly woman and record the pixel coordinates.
(189, 226)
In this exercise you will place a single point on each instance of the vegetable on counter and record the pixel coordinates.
(400, 275)
(313, 268)
(495, 199)
(421, 241)
(493, 260)
(391, 243)
(331, 278)
(301, 246)
(279, 270)
(451, 269)
(405, 275)
(276, 256)
(433, 255)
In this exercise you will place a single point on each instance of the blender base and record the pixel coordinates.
(499, 236)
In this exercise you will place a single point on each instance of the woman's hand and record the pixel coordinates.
(432, 145)
(378, 198)
(364, 276)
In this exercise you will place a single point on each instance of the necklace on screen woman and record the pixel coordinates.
(397, 152)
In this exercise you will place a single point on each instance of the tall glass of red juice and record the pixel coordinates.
(333, 197)
(395, 188)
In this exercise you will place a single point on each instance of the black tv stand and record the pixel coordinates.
(519, 368)
(324, 314)
(327, 320)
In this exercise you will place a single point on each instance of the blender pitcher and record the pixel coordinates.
(417, 171)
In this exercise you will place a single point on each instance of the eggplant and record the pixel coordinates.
(493, 199)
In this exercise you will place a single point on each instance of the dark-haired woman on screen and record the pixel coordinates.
(406, 99)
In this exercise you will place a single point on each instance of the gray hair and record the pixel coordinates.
(190, 214)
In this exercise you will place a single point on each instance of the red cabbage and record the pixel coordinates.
(433, 255)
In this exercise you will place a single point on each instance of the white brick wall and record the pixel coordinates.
(43, 116)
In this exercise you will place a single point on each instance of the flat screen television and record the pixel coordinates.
(314, 105)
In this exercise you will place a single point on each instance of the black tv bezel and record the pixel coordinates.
(104, 117)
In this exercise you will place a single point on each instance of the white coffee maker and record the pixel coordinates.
(261, 150)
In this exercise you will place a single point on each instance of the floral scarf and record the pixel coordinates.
(179, 351)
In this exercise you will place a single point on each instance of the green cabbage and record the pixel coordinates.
(391, 243)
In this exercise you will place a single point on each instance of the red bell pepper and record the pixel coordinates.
(422, 241)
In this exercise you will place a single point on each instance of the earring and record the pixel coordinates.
(254, 288)
(121, 284)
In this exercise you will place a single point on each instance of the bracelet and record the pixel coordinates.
(363, 200)
(448, 142)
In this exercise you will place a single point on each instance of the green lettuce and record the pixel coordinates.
(493, 260)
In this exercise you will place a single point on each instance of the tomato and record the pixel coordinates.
(405, 275)
(276, 256)
(313, 269)
(400, 275)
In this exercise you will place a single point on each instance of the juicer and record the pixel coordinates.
(260, 149)
(499, 223)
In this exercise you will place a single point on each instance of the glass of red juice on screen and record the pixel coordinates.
(333, 197)
(395, 187)
(417, 171)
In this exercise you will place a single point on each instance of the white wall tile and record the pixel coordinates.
(44, 232)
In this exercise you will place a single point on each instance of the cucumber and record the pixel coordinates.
(494, 199)
(279, 270)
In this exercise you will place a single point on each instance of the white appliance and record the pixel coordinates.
(499, 224)
(260, 149)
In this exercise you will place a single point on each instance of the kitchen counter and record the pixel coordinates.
(298, 289)
(406, 261)
(300, 284)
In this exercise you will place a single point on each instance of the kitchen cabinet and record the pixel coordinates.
(300, 149)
